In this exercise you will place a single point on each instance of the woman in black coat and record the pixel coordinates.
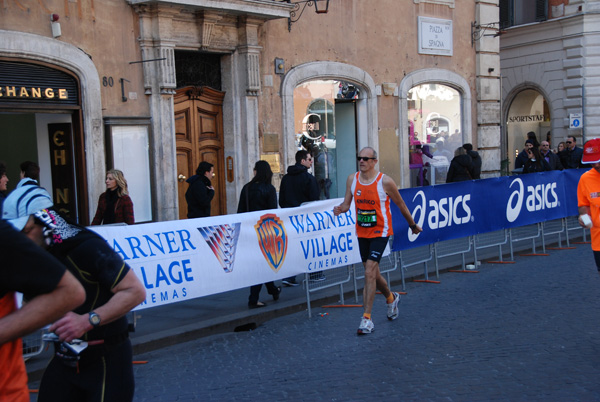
(259, 194)
(536, 162)
(461, 167)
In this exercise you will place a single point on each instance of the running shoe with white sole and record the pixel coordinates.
(366, 326)
(392, 308)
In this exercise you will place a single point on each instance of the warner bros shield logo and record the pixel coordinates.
(222, 240)
(272, 240)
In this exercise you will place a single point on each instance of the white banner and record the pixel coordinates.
(184, 259)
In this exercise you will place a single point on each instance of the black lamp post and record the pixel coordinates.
(321, 7)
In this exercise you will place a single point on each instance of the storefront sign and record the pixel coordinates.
(62, 168)
(33, 93)
(526, 118)
(25, 83)
(435, 36)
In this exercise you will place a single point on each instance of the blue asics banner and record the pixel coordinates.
(463, 209)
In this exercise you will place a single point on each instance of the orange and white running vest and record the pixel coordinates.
(373, 214)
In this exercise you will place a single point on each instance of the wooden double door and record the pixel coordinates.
(199, 137)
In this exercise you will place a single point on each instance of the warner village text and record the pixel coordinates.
(324, 251)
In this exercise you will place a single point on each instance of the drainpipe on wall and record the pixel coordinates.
(583, 112)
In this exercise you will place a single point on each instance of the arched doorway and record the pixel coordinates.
(325, 125)
(40, 116)
(528, 112)
(199, 137)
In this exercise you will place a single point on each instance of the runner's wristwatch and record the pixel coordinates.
(94, 319)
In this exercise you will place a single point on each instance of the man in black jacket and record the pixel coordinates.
(297, 187)
(571, 156)
(476, 160)
(200, 192)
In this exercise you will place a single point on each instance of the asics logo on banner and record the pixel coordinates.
(272, 239)
(222, 241)
(440, 213)
(541, 196)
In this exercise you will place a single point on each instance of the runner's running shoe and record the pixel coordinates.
(392, 307)
(366, 326)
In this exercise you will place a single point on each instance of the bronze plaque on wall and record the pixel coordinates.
(62, 168)
(273, 160)
(270, 143)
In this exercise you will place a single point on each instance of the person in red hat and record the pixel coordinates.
(588, 195)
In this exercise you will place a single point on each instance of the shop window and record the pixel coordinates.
(434, 132)
(325, 125)
(128, 150)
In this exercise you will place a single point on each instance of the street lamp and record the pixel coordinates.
(321, 7)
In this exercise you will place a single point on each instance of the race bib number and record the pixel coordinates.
(366, 218)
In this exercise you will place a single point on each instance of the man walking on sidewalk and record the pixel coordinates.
(298, 186)
(372, 191)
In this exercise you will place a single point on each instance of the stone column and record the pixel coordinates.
(488, 89)
(160, 84)
(245, 88)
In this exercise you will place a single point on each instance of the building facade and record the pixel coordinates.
(550, 61)
(155, 87)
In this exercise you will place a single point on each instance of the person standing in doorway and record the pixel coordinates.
(114, 205)
(523, 155)
(372, 191)
(297, 187)
(257, 195)
(200, 193)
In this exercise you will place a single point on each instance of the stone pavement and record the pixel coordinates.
(520, 332)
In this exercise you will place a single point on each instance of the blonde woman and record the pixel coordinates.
(114, 205)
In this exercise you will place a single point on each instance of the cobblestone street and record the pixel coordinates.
(520, 332)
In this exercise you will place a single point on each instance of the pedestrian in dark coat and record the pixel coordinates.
(461, 167)
(477, 162)
(257, 195)
(298, 186)
(200, 192)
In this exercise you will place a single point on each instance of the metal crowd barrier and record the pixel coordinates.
(413, 258)
(572, 224)
(448, 248)
(497, 238)
(416, 256)
(556, 227)
(33, 344)
(332, 277)
(522, 233)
